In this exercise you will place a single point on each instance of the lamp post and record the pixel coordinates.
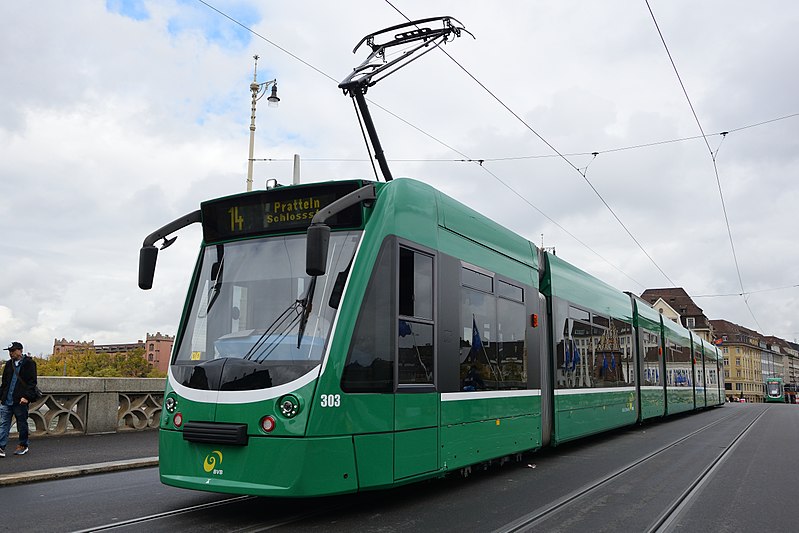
(258, 90)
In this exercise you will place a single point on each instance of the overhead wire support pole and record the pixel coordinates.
(364, 75)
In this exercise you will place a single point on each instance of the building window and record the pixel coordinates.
(152, 346)
(690, 322)
(150, 357)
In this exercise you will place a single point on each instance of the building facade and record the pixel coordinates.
(746, 360)
(675, 304)
(157, 348)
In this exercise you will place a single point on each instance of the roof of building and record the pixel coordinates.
(677, 298)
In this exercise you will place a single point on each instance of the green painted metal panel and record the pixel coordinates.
(414, 410)
(566, 281)
(581, 414)
(646, 317)
(483, 231)
(677, 333)
(679, 399)
(267, 466)
(469, 443)
(415, 452)
(357, 413)
(478, 409)
(653, 402)
(375, 457)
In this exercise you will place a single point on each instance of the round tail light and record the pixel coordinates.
(178, 419)
(268, 423)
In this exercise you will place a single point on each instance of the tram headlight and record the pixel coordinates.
(171, 404)
(178, 419)
(289, 406)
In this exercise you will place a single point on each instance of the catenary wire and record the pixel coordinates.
(424, 133)
(538, 156)
(481, 161)
(542, 139)
(712, 157)
(723, 134)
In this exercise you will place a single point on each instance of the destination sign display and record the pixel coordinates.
(279, 210)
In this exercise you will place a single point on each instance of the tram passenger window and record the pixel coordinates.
(511, 347)
(415, 284)
(651, 359)
(579, 314)
(415, 332)
(370, 362)
(478, 343)
(578, 363)
(415, 352)
(512, 292)
(477, 280)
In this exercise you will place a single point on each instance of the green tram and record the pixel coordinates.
(774, 390)
(355, 335)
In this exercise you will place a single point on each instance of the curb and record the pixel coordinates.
(74, 471)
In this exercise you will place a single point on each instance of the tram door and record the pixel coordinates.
(416, 434)
(416, 400)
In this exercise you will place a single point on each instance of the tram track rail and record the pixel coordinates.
(667, 519)
(254, 528)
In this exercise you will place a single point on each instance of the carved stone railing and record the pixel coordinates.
(95, 405)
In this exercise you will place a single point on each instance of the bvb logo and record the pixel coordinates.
(211, 461)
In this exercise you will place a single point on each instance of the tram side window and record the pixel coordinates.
(415, 330)
(596, 351)
(370, 362)
(493, 341)
(652, 356)
(678, 364)
(511, 345)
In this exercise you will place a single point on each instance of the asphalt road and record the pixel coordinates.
(748, 489)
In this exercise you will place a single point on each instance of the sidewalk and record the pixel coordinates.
(57, 457)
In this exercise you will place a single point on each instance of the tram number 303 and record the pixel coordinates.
(331, 400)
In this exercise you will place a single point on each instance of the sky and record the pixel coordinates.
(118, 116)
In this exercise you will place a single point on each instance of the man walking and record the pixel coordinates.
(17, 390)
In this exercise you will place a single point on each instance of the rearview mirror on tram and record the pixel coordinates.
(315, 250)
(147, 258)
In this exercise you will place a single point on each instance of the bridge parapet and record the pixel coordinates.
(88, 406)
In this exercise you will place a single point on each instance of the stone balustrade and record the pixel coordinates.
(90, 406)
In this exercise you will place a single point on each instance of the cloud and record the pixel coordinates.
(136, 111)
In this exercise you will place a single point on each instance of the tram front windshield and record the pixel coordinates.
(256, 319)
(773, 389)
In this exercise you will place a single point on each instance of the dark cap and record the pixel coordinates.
(14, 346)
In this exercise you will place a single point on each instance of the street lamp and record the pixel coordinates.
(258, 90)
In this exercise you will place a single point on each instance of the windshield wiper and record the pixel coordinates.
(298, 311)
(306, 304)
(264, 346)
(216, 275)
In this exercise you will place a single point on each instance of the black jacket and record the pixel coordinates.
(27, 371)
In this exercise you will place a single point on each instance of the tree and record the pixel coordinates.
(88, 363)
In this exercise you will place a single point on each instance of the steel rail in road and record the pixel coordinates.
(668, 519)
(529, 520)
(283, 521)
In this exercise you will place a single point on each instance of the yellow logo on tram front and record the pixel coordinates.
(212, 460)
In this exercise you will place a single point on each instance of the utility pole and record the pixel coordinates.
(258, 90)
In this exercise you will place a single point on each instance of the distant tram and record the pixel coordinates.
(774, 390)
